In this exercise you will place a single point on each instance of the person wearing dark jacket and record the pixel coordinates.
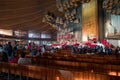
(8, 49)
(4, 57)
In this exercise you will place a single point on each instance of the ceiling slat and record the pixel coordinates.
(26, 14)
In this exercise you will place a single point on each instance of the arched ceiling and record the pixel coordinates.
(26, 14)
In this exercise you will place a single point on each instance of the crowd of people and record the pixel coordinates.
(93, 47)
(13, 54)
(17, 54)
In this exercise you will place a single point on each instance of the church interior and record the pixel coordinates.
(59, 39)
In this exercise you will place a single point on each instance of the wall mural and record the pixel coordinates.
(112, 26)
(89, 20)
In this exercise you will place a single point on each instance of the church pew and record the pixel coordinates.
(22, 70)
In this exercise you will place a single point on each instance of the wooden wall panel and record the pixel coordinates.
(89, 20)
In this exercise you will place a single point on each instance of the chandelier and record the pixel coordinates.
(69, 8)
(64, 5)
(112, 6)
(54, 21)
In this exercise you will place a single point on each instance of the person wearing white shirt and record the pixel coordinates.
(23, 60)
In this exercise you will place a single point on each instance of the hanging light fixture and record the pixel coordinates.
(69, 8)
(69, 4)
(54, 21)
(112, 6)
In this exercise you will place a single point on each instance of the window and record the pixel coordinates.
(34, 35)
(44, 35)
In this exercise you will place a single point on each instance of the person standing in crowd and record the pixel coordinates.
(8, 49)
(1, 48)
(23, 60)
(33, 52)
(43, 48)
(15, 46)
(15, 57)
(29, 46)
(4, 57)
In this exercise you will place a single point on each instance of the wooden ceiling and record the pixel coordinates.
(26, 14)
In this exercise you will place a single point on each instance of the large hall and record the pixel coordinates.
(59, 39)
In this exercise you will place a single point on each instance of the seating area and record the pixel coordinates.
(21, 72)
(59, 39)
(66, 55)
(78, 62)
(62, 59)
